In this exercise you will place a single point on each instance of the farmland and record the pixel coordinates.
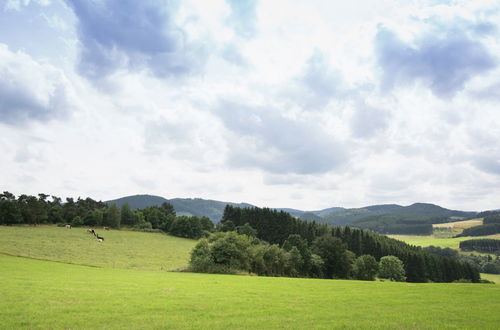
(42, 294)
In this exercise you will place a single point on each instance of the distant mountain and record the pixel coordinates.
(320, 213)
(334, 215)
(182, 206)
(202, 207)
(310, 216)
(138, 201)
(348, 216)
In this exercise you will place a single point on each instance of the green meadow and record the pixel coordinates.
(62, 278)
(120, 249)
(43, 294)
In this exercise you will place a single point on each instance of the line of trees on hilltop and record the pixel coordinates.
(275, 227)
(45, 209)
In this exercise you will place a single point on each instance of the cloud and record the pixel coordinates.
(367, 121)
(18, 4)
(31, 91)
(442, 62)
(243, 16)
(488, 164)
(135, 35)
(264, 138)
(319, 83)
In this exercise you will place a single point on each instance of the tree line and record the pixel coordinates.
(45, 209)
(338, 247)
(485, 263)
(481, 245)
(482, 230)
(327, 257)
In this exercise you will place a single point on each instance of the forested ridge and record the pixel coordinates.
(276, 227)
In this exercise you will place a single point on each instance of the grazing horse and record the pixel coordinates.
(67, 226)
(105, 228)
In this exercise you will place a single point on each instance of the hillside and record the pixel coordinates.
(333, 215)
(183, 206)
(417, 210)
(121, 248)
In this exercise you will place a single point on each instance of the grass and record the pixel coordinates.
(42, 294)
(121, 249)
(491, 277)
(460, 224)
(451, 229)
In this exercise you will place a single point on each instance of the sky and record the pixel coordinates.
(301, 104)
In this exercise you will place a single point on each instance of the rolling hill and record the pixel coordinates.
(420, 210)
(333, 215)
(183, 206)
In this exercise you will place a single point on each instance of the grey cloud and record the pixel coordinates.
(30, 91)
(318, 83)
(443, 63)
(243, 16)
(367, 121)
(265, 139)
(132, 34)
(488, 164)
(233, 55)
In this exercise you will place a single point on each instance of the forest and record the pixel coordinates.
(335, 248)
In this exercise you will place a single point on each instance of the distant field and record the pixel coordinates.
(429, 240)
(460, 224)
(121, 249)
(491, 277)
(42, 294)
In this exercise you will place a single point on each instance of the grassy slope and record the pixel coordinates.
(121, 249)
(42, 294)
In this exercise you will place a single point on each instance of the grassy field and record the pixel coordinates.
(429, 240)
(121, 249)
(450, 229)
(491, 277)
(43, 294)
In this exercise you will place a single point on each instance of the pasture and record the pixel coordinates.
(429, 240)
(121, 249)
(43, 294)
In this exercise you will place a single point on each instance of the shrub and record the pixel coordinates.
(392, 268)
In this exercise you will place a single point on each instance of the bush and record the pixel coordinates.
(77, 222)
(365, 268)
(392, 268)
(201, 258)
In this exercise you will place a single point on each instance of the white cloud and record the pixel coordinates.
(286, 107)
